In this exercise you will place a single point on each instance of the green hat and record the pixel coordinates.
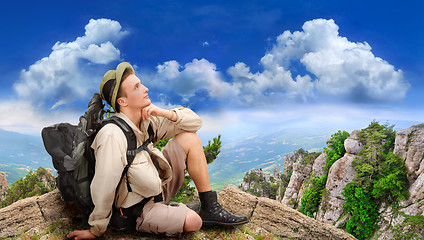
(111, 82)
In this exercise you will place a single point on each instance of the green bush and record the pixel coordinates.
(391, 181)
(29, 186)
(335, 149)
(363, 210)
(312, 196)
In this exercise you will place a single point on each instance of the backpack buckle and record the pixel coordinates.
(132, 152)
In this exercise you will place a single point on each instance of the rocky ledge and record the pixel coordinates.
(37, 213)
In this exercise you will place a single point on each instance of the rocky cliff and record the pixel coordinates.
(3, 185)
(262, 184)
(409, 144)
(34, 215)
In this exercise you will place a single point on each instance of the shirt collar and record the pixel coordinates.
(131, 124)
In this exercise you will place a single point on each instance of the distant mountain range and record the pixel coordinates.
(266, 151)
(21, 153)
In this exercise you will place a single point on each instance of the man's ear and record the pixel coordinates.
(122, 102)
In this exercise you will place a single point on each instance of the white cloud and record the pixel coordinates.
(68, 74)
(335, 69)
(23, 117)
(343, 69)
(193, 76)
(274, 84)
(65, 75)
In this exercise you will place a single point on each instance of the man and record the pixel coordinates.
(122, 89)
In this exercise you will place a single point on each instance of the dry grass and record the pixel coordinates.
(59, 230)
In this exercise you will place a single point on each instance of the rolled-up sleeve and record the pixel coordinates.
(187, 120)
(109, 148)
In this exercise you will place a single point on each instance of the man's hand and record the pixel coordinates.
(84, 234)
(153, 110)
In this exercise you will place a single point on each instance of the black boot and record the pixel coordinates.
(212, 213)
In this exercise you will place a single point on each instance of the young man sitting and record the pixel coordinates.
(122, 89)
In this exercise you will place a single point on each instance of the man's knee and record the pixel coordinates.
(187, 140)
(193, 222)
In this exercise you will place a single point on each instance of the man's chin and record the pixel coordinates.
(148, 103)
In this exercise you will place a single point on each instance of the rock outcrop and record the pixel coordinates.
(317, 171)
(340, 174)
(3, 186)
(278, 218)
(288, 164)
(260, 184)
(318, 167)
(409, 144)
(300, 171)
(36, 213)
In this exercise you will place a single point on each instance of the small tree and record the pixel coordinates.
(212, 149)
(186, 192)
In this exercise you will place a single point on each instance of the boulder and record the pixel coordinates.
(352, 144)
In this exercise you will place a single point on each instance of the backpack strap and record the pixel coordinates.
(132, 149)
(144, 147)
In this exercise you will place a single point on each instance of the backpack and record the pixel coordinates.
(73, 157)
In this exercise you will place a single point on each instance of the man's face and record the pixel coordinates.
(135, 92)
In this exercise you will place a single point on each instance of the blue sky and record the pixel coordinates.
(242, 65)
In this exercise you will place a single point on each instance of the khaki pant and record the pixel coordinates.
(161, 218)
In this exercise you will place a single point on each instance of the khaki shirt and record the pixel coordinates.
(110, 147)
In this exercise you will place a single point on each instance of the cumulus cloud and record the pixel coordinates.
(68, 74)
(340, 68)
(64, 75)
(334, 69)
(192, 77)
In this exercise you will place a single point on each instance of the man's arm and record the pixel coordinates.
(168, 123)
(153, 110)
(109, 146)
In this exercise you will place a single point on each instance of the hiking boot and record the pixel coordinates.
(212, 213)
